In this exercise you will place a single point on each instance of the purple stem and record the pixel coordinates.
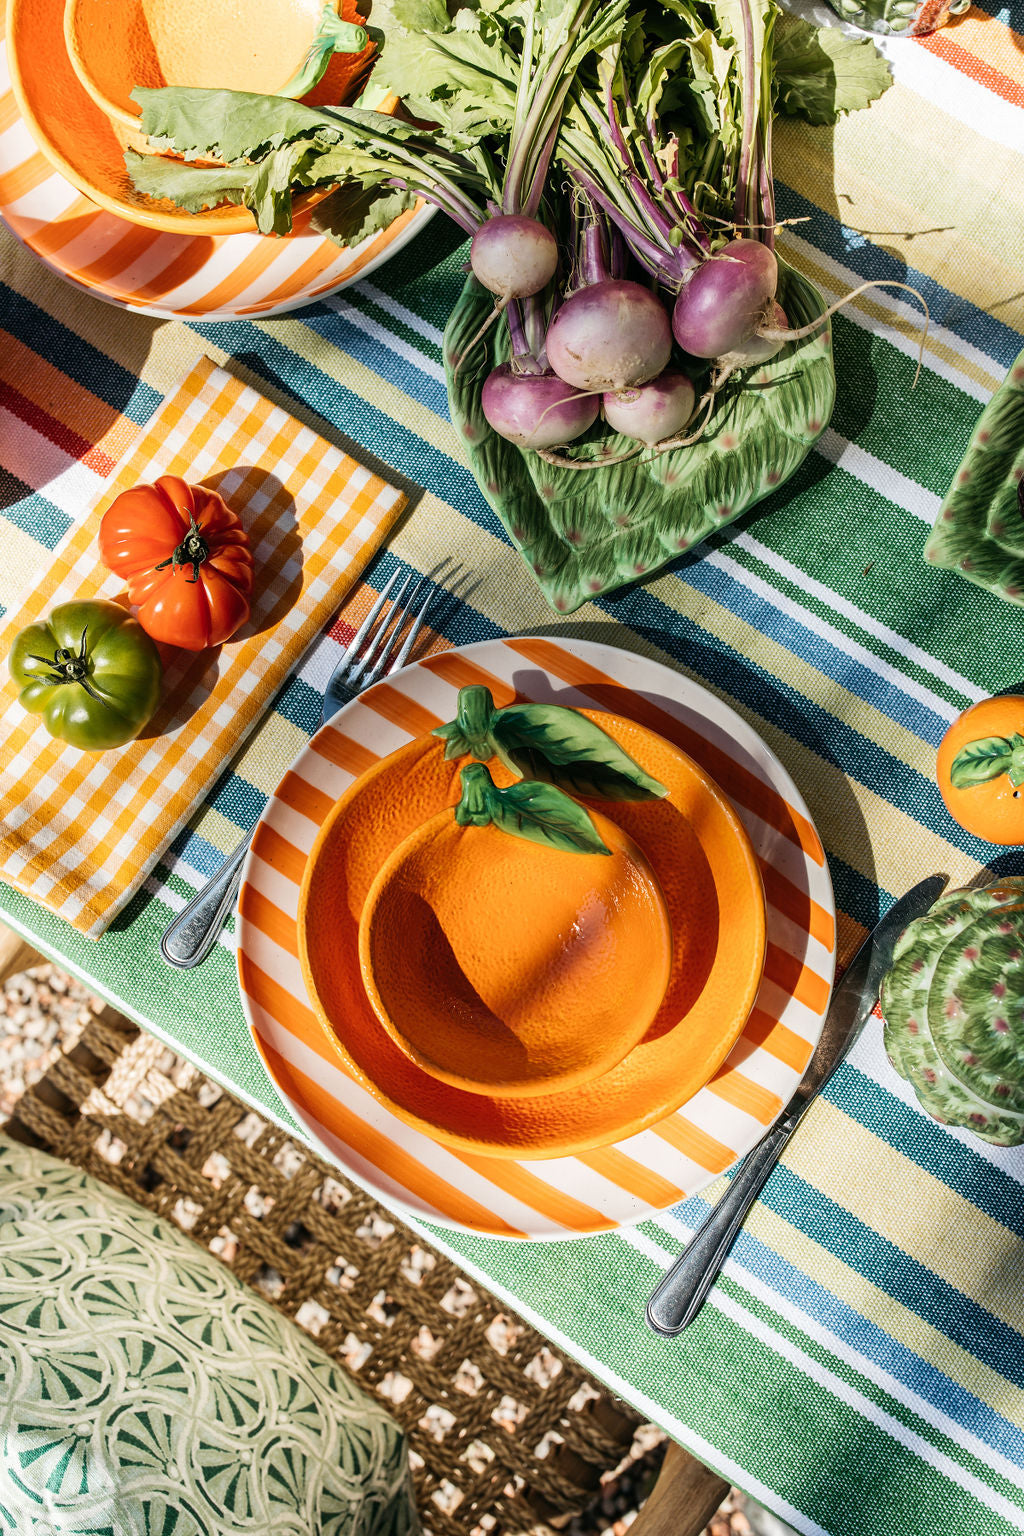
(523, 354)
(617, 260)
(460, 212)
(741, 212)
(531, 200)
(616, 129)
(594, 263)
(669, 266)
(651, 165)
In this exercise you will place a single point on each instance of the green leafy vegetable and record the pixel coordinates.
(547, 742)
(538, 812)
(820, 72)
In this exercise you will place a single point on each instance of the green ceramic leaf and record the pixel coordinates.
(538, 812)
(547, 742)
(981, 761)
(979, 531)
(585, 532)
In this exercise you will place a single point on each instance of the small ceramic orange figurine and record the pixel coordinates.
(980, 769)
(510, 968)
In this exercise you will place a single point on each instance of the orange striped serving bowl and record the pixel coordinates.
(635, 1167)
(65, 193)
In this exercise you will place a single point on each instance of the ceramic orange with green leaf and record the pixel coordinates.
(980, 769)
(524, 942)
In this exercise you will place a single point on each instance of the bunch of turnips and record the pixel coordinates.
(611, 161)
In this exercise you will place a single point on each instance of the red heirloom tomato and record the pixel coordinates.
(185, 558)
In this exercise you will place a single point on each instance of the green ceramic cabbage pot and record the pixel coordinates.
(909, 18)
(953, 1005)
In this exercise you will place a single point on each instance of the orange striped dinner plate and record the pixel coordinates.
(203, 277)
(602, 1189)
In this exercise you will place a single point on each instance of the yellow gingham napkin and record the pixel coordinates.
(80, 831)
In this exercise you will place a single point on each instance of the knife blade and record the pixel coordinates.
(678, 1298)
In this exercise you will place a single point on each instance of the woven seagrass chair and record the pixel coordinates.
(506, 1433)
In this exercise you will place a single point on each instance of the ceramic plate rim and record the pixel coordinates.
(625, 668)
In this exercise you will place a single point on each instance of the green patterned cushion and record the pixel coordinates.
(145, 1392)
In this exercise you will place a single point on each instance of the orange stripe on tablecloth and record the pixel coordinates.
(697, 1145)
(282, 856)
(381, 1152)
(796, 978)
(52, 391)
(738, 782)
(798, 906)
(737, 1089)
(402, 711)
(966, 61)
(461, 673)
(23, 178)
(343, 752)
(628, 1174)
(777, 1039)
(516, 1180)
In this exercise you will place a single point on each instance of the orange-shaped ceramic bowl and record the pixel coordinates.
(80, 140)
(116, 45)
(511, 968)
(709, 879)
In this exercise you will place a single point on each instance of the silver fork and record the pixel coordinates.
(195, 930)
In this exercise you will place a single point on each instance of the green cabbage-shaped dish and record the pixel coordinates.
(979, 532)
(915, 18)
(586, 532)
(953, 1005)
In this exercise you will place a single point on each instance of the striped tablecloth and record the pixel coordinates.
(860, 1368)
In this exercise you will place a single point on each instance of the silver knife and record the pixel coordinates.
(681, 1294)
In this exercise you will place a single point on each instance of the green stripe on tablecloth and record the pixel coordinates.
(730, 1389)
(885, 650)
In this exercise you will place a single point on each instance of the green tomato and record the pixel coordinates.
(92, 673)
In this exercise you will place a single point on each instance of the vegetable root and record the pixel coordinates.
(774, 333)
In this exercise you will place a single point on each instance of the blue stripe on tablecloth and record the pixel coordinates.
(33, 513)
(856, 894)
(237, 799)
(389, 362)
(785, 707)
(76, 357)
(927, 1144)
(870, 262)
(900, 1276)
(821, 653)
(868, 1339)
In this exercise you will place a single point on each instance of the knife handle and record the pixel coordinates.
(681, 1294)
